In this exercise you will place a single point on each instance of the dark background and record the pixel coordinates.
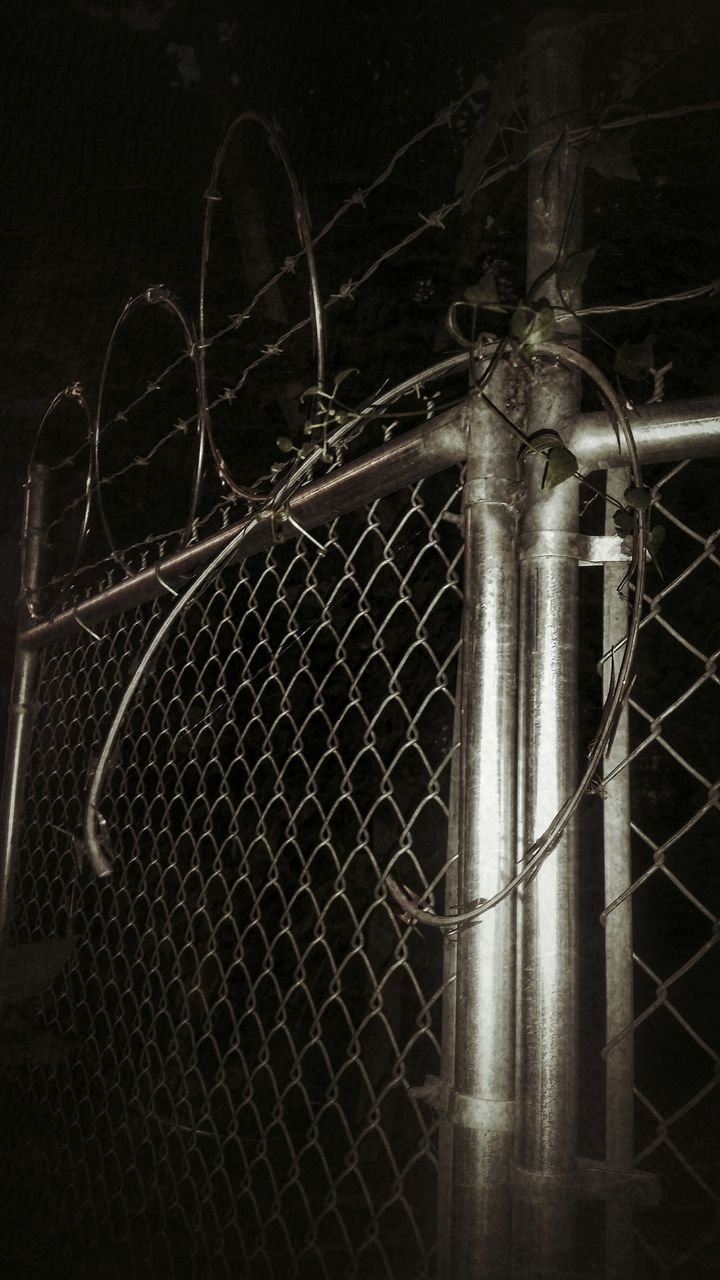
(112, 115)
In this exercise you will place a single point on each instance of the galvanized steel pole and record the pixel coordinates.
(547, 1025)
(23, 690)
(481, 1104)
(619, 1065)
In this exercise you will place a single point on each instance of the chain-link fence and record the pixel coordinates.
(228, 1075)
(674, 883)
(223, 1086)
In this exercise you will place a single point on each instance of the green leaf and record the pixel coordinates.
(638, 498)
(27, 970)
(315, 391)
(531, 327)
(454, 329)
(340, 378)
(562, 464)
(285, 444)
(611, 156)
(539, 443)
(503, 101)
(656, 537)
(572, 272)
(624, 521)
(506, 85)
(521, 322)
(484, 295)
(473, 165)
(634, 360)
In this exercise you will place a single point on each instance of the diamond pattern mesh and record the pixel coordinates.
(675, 774)
(225, 1084)
(221, 1081)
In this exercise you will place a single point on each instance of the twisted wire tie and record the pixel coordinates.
(84, 626)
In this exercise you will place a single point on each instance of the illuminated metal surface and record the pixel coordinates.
(619, 1103)
(663, 432)
(238, 1035)
(417, 453)
(484, 1066)
(23, 691)
(547, 1012)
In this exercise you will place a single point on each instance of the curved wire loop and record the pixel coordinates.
(74, 393)
(301, 217)
(285, 487)
(157, 296)
(545, 843)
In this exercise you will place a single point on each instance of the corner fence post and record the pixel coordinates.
(547, 1088)
(20, 715)
(481, 1101)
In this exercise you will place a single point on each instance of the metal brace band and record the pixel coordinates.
(588, 1180)
(488, 1115)
(560, 544)
(507, 492)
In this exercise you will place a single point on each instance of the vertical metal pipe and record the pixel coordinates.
(482, 1099)
(23, 688)
(619, 1102)
(547, 1025)
(447, 1066)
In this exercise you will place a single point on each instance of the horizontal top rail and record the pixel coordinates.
(665, 432)
(418, 453)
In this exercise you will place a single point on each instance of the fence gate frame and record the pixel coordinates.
(509, 1175)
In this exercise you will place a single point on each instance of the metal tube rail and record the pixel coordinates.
(449, 1002)
(663, 433)
(619, 1065)
(482, 1100)
(23, 690)
(418, 453)
(545, 1147)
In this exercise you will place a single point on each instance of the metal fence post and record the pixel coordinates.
(547, 1023)
(619, 1136)
(481, 1104)
(23, 688)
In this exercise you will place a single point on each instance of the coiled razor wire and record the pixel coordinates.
(541, 847)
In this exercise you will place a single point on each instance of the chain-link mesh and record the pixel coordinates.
(675, 775)
(223, 1085)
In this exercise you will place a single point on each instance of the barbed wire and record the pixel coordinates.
(435, 220)
(275, 506)
(93, 823)
(358, 198)
(272, 502)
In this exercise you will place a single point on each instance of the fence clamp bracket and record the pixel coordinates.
(588, 1180)
(562, 544)
(466, 1112)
